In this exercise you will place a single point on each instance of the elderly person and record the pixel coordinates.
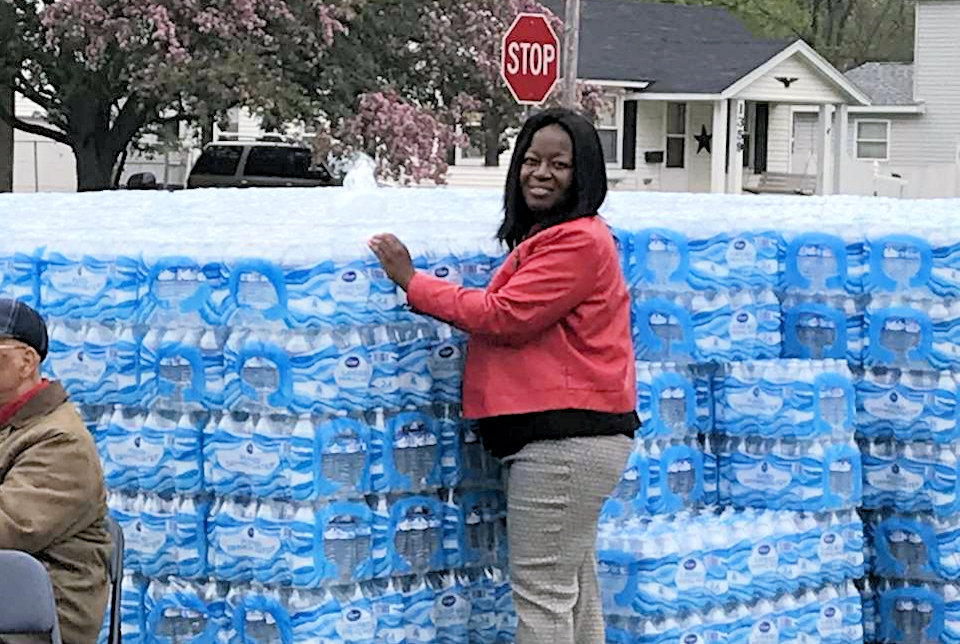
(52, 498)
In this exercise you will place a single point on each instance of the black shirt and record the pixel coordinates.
(506, 435)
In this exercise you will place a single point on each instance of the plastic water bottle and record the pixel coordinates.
(345, 456)
(415, 451)
(387, 601)
(158, 438)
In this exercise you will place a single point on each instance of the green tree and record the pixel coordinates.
(846, 32)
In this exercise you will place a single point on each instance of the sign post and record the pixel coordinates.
(530, 59)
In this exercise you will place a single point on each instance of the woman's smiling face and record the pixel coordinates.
(546, 175)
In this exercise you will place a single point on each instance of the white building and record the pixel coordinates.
(908, 140)
(696, 102)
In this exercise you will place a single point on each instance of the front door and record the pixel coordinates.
(675, 174)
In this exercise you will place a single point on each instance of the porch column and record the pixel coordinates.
(738, 121)
(823, 151)
(841, 123)
(718, 148)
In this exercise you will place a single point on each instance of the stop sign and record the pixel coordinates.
(530, 58)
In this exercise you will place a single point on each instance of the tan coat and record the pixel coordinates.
(52, 505)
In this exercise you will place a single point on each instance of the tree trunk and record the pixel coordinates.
(6, 141)
(491, 139)
(94, 166)
(206, 132)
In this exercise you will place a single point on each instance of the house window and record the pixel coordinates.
(873, 140)
(676, 134)
(608, 129)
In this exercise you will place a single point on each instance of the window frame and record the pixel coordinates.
(857, 139)
(616, 128)
(682, 136)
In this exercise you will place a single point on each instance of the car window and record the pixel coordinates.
(218, 160)
(279, 162)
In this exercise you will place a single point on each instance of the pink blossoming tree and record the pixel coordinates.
(418, 69)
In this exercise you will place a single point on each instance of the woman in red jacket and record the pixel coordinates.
(549, 370)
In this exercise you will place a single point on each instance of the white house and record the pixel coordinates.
(40, 164)
(695, 101)
(907, 142)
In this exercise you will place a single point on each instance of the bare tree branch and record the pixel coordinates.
(33, 128)
(128, 122)
(22, 85)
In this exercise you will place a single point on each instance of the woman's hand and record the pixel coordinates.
(394, 257)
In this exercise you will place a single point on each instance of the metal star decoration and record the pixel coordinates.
(703, 140)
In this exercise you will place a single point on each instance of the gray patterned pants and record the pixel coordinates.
(554, 493)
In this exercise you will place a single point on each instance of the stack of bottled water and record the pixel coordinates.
(907, 426)
(280, 436)
(702, 293)
(785, 437)
(771, 439)
(282, 441)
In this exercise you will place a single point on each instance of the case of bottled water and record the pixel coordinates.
(281, 437)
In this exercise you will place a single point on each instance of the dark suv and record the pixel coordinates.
(237, 164)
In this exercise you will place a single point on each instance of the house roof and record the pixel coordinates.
(681, 49)
(885, 83)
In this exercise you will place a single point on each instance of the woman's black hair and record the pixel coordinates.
(589, 187)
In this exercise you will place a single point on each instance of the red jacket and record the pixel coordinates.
(551, 330)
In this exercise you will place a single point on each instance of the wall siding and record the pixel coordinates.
(698, 166)
(778, 138)
(650, 138)
(936, 136)
(923, 179)
(810, 86)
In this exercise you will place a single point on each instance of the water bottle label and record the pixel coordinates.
(135, 452)
(447, 270)
(248, 459)
(84, 365)
(830, 621)
(893, 405)
(76, 279)
(743, 326)
(350, 286)
(741, 253)
(764, 632)
(894, 478)
(444, 361)
(755, 401)
(247, 541)
(764, 476)
(353, 372)
(691, 573)
(764, 559)
(142, 539)
(831, 547)
(356, 625)
(451, 609)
